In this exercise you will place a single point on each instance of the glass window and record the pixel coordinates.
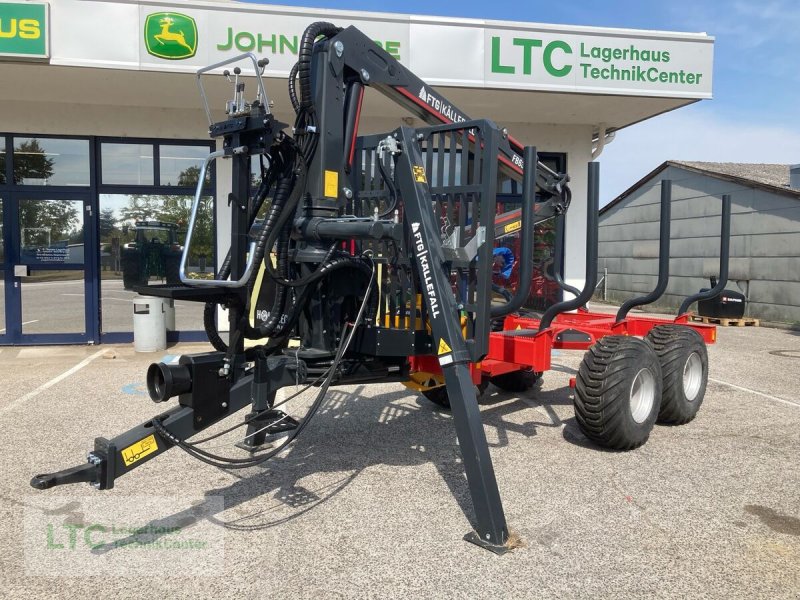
(51, 161)
(127, 164)
(141, 243)
(2, 273)
(2, 244)
(2, 160)
(180, 165)
(51, 232)
(53, 302)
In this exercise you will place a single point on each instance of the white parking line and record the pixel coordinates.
(26, 284)
(24, 323)
(52, 382)
(103, 298)
(762, 394)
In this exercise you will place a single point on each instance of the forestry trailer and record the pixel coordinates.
(376, 254)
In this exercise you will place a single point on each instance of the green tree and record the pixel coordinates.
(189, 176)
(140, 208)
(107, 223)
(30, 162)
(45, 222)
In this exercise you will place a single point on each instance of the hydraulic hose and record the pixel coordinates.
(225, 462)
(311, 33)
(282, 206)
(528, 228)
(324, 270)
(287, 196)
(276, 229)
(209, 311)
(390, 187)
(293, 87)
(267, 328)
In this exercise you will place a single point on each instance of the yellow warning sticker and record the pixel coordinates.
(443, 347)
(513, 226)
(139, 450)
(419, 174)
(331, 184)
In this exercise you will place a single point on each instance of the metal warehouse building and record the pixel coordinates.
(765, 235)
(101, 127)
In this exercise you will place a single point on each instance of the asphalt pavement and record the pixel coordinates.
(371, 500)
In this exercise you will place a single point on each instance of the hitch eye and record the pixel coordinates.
(166, 381)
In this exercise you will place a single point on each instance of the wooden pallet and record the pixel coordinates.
(727, 322)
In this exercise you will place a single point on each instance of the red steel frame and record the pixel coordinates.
(521, 346)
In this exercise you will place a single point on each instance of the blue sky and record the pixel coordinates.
(755, 113)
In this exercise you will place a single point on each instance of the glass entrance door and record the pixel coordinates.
(4, 336)
(49, 296)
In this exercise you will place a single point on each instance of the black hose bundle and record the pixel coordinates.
(225, 462)
(305, 126)
(279, 173)
(276, 229)
(343, 261)
(293, 88)
(210, 308)
(311, 33)
(390, 187)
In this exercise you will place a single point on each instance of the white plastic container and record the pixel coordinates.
(149, 324)
(169, 313)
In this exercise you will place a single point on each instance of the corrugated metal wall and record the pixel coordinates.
(765, 243)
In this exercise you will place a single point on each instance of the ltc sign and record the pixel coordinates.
(24, 30)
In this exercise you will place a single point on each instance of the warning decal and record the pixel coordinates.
(443, 347)
(419, 174)
(331, 184)
(139, 450)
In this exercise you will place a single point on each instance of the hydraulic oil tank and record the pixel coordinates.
(728, 305)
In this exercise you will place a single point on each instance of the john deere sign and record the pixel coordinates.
(170, 35)
(23, 30)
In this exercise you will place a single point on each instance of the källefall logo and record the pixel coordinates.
(170, 35)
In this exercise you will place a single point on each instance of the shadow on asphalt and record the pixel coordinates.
(351, 433)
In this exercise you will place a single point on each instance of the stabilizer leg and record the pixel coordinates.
(491, 530)
(263, 421)
(443, 316)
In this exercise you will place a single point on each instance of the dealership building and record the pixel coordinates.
(102, 130)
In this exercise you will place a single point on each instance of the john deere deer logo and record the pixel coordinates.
(170, 35)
